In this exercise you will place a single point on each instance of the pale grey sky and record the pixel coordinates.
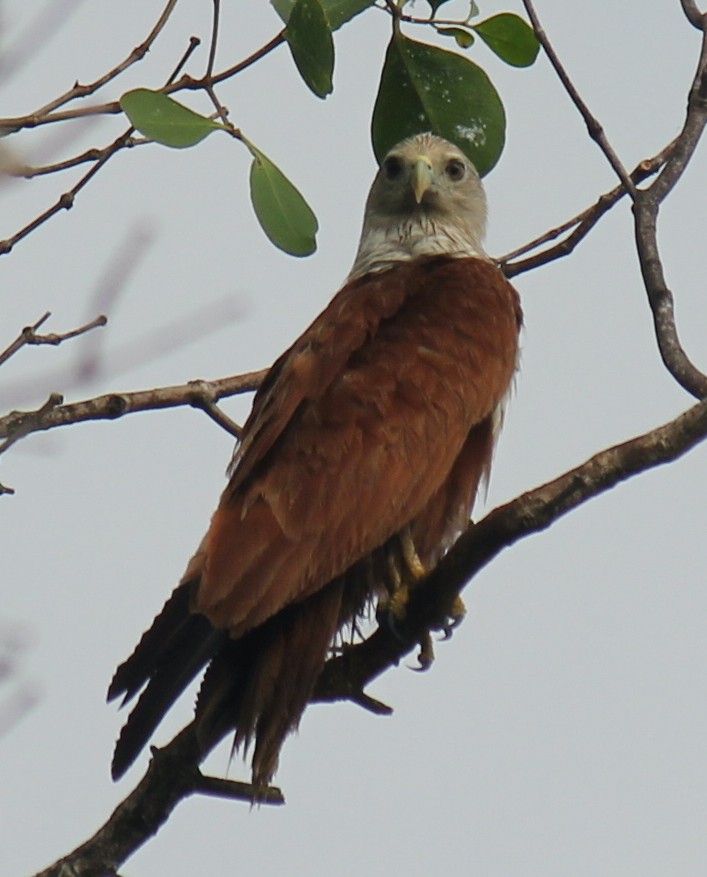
(562, 730)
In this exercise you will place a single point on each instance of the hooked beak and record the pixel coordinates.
(421, 177)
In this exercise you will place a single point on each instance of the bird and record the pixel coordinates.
(358, 466)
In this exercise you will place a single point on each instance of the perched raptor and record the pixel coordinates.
(359, 465)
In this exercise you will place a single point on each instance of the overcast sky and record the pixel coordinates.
(562, 730)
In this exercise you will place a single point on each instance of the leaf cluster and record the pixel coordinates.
(422, 88)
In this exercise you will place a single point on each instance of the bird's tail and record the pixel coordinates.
(167, 658)
(257, 685)
(260, 684)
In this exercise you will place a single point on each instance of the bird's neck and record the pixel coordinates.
(384, 245)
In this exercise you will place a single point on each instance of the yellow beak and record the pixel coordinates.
(421, 176)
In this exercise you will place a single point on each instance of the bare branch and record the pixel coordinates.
(79, 91)
(582, 223)
(646, 209)
(346, 675)
(194, 43)
(173, 773)
(198, 394)
(66, 201)
(184, 83)
(693, 14)
(31, 337)
(23, 423)
(217, 787)
(21, 339)
(204, 401)
(596, 131)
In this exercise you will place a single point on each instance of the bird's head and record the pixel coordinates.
(427, 199)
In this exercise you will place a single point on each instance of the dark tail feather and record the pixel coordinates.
(261, 683)
(167, 627)
(168, 657)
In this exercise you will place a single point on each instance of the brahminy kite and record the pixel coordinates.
(358, 466)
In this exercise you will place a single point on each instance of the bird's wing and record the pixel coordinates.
(304, 371)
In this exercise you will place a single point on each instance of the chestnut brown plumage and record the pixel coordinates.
(372, 433)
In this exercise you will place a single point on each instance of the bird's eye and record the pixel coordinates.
(393, 167)
(455, 170)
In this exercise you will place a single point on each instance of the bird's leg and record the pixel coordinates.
(415, 566)
(405, 569)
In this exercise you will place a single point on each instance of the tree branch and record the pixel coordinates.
(646, 208)
(582, 223)
(111, 406)
(346, 675)
(595, 129)
(184, 83)
(29, 336)
(173, 773)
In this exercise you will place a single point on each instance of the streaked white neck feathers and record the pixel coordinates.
(383, 244)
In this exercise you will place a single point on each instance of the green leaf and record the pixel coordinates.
(435, 4)
(160, 118)
(337, 12)
(511, 38)
(312, 47)
(282, 212)
(463, 37)
(424, 88)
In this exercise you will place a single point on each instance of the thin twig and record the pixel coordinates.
(214, 39)
(66, 201)
(173, 774)
(203, 398)
(582, 223)
(194, 42)
(29, 335)
(235, 791)
(184, 83)
(596, 132)
(79, 91)
(21, 339)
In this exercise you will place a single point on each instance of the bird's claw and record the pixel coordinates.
(426, 655)
(454, 619)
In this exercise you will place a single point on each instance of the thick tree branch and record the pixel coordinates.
(646, 208)
(346, 675)
(693, 14)
(173, 773)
